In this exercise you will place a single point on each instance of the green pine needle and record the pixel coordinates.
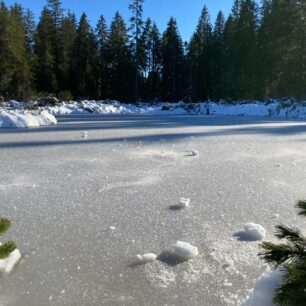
(301, 205)
(6, 249)
(4, 225)
(291, 234)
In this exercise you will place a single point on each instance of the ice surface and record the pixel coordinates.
(64, 222)
(265, 287)
(7, 265)
(185, 250)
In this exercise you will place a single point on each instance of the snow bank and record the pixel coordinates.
(23, 119)
(271, 108)
(265, 287)
(7, 264)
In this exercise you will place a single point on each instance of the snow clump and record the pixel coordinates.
(254, 231)
(185, 250)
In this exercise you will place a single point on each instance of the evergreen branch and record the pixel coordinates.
(291, 234)
(4, 225)
(301, 205)
(6, 249)
(278, 254)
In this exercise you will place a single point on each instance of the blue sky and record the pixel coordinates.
(186, 12)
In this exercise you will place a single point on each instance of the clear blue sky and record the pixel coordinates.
(186, 12)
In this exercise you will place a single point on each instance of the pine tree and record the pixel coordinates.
(56, 12)
(15, 76)
(290, 257)
(119, 59)
(85, 61)
(8, 247)
(66, 44)
(246, 43)
(231, 54)
(136, 29)
(29, 31)
(173, 61)
(102, 37)
(200, 49)
(44, 58)
(218, 58)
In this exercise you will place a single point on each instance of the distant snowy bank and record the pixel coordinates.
(25, 119)
(34, 113)
(273, 108)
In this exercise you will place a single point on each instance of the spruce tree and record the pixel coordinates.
(120, 62)
(56, 12)
(15, 76)
(200, 49)
(136, 30)
(290, 257)
(246, 81)
(44, 56)
(102, 37)
(85, 61)
(218, 58)
(173, 61)
(155, 64)
(66, 44)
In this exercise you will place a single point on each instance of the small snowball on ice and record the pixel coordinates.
(254, 231)
(7, 264)
(185, 250)
(146, 258)
(193, 152)
(84, 135)
(112, 228)
(184, 202)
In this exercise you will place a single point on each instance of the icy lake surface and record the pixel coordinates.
(83, 207)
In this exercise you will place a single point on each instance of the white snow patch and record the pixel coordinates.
(254, 231)
(193, 152)
(146, 258)
(184, 202)
(265, 287)
(8, 264)
(185, 250)
(25, 119)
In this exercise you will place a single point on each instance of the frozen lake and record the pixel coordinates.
(64, 192)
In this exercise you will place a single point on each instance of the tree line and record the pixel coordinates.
(257, 52)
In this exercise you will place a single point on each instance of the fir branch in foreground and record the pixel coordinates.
(5, 224)
(6, 249)
(301, 205)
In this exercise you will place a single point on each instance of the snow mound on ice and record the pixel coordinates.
(193, 152)
(265, 287)
(185, 250)
(254, 231)
(184, 202)
(25, 119)
(7, 264)
(146, 258)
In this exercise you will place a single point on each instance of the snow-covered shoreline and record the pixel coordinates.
(25, 119)
(16, 114)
